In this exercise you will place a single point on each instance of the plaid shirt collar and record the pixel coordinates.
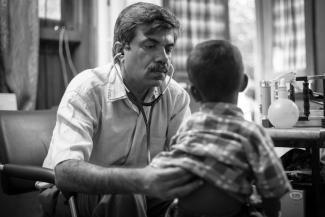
(228, 109)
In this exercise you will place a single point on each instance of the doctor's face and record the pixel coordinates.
(147, 58)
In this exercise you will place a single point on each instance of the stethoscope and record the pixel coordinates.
(141, 104)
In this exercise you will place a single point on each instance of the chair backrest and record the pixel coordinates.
(24, 139)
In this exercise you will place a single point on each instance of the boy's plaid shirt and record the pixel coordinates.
(218, 145)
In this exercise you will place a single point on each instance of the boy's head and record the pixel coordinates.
(215, 70)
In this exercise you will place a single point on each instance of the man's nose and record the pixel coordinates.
(162, 56)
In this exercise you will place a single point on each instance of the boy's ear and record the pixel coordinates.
(195, 93)
(244, 83)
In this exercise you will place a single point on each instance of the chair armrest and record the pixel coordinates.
(36, 173)
(33, 173)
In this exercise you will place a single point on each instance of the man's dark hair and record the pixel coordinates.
(215, 68)
(143, 13)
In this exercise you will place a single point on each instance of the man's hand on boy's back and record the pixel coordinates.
(167, 183)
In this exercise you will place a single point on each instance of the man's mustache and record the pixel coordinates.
(162, 68)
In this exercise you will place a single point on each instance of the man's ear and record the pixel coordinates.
(244, 83)
(195, 93)
(118, 48)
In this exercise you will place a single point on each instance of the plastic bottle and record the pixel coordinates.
(283, 113)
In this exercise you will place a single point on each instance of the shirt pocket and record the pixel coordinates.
(157, 145)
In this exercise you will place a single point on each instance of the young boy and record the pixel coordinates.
(218, 145)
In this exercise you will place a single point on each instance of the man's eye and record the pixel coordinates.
(169, 49)
(150, 46)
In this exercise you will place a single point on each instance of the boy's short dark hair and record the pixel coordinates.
(215, 68)
(143, 13)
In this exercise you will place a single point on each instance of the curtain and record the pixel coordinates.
(200, 20)
(289, 50)
(4, 44)
(19, 37)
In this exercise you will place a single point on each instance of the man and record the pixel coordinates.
(100, 147)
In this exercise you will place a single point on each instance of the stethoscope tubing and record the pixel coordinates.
(140, 105)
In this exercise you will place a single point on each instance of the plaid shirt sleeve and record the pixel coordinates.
(271, 180)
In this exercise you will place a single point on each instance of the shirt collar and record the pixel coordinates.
(116, 89)
(222, 109)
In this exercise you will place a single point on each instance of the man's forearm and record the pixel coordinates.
(165, 183)
(80, 176)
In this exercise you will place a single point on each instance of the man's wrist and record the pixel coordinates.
(137, 177)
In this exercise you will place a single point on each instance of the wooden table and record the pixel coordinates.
(304, 137)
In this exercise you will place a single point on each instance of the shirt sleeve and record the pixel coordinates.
(72, 135)
(271, 180)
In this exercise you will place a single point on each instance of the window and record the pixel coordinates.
(58, 13)
(283, 42)
(289, 50)
(49, 9)
(242, 24)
